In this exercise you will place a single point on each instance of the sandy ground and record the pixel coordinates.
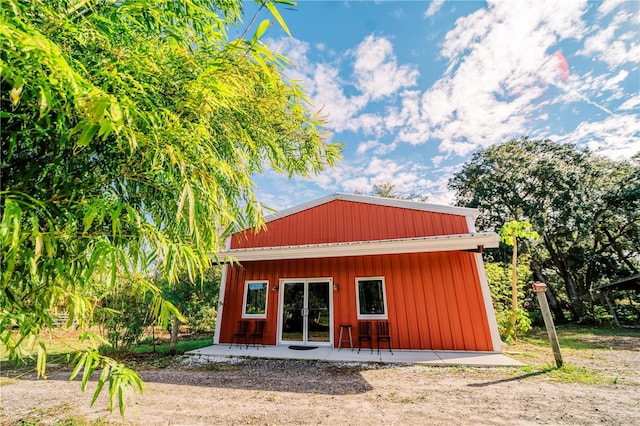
(191, 391)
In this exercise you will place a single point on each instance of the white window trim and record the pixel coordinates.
(384, 299)
(244, 299)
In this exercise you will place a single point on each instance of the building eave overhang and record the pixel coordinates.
(439, 243)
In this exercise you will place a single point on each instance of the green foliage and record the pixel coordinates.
(514, 229)
(499, 277)
(130, 134)
(125, 319)
(389, 190)
(120, 379)
(200, 315)
(522, 323)
(585, 208)
(197, 300)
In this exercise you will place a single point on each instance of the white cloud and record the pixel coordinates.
(328, 95)
(608, 5)
(376, 69)
(631, 103)
(499, 66)
(616, 136)
(375, 147)
(363, 173)
(434, 7)
(614, 44)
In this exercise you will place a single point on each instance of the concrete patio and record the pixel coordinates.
(324, 353)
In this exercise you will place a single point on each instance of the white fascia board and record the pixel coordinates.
(366, 248)
(389, 202)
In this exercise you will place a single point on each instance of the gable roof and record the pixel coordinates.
(381, 201)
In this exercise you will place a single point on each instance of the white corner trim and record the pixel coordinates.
(223, 287)
(471, 224)
(366, 248)
(488, 304)
(389, 202)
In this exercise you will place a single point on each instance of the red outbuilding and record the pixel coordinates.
(349, 259)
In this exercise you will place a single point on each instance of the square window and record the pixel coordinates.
(371, 298)
(255, 299)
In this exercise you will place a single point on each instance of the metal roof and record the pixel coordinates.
(629, 283)
(390, 202)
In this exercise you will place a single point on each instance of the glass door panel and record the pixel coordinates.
(318, 321)
(293, 310)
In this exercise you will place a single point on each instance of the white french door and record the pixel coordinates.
(306, 311)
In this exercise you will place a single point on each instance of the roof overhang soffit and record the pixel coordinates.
(468, 242)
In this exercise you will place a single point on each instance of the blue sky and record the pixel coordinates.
(413, 88)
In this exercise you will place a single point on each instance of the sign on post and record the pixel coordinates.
(540, 288)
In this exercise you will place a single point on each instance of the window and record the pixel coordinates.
(255, 299)
(371, 298)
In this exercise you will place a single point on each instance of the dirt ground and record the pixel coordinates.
(193, 391)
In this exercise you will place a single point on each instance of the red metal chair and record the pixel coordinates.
(364, 334)
(258, 332)
(241, 333)
(383, 335)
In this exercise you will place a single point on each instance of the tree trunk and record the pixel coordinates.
(175, 328)
(576, 306)
(514, 286)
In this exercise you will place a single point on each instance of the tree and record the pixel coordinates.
(499, 275)
(509, 235)
(562, 191)
(130, 134)
(389, 190)
(193, 301)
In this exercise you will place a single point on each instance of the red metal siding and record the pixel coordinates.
(434, 300)
(342, 221)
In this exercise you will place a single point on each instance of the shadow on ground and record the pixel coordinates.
(300, 376)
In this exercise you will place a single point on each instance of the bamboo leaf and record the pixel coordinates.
(104, 376)
(87, 134)
(261, 30)
(41, 363)
(183, 198)
(89, 368)
(276, 15)
(81, 361)
(121, 402)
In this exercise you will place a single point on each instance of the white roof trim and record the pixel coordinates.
(390, 202)
(365, 248)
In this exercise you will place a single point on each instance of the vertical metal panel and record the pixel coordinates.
(434, 300)
(341, 221)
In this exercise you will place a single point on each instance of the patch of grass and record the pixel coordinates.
(580, 337)
(459, 368)
(181, 346)
(570, 373)
(5, 381)
(60, 345)
(68, 420)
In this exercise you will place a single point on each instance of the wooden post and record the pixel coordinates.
(610, 305)
(540, 289)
